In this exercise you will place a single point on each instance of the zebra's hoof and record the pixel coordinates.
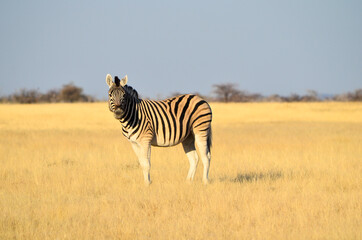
(205, 181)
(148, 183)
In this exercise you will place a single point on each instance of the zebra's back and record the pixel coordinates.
(172, 120)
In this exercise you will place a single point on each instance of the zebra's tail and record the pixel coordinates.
(209, 139)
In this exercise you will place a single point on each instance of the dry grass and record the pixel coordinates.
(278, 171)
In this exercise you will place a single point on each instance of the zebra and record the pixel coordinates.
(182, 119)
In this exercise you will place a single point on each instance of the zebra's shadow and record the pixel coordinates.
(250, 177)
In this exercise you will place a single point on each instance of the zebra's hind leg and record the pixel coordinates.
(143, 152)
(190, 150)
(201, 141)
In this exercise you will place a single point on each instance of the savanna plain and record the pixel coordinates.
(278, 171)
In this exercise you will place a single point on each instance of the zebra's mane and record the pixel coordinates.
(132, 92)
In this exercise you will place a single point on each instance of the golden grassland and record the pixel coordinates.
(278, 171)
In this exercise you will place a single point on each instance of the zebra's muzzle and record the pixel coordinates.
(118, 113)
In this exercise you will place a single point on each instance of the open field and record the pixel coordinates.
(278, 171)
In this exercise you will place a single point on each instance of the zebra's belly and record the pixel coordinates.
(160, 142)
(156, 143)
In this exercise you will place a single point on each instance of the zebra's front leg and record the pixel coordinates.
(143, 152)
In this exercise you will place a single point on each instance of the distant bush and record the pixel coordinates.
(68, 93)
(26, 96)
(226, 92)
(51, 96)
(72, 93)
(274, 98)
(229, 92)
(355, 96)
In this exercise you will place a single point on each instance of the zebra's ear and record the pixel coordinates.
(124, 81)
(109, 80)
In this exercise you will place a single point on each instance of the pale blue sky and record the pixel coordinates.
(182, 46)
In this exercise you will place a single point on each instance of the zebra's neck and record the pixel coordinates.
(130, 117)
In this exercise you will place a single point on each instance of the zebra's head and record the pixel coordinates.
(116, 95)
